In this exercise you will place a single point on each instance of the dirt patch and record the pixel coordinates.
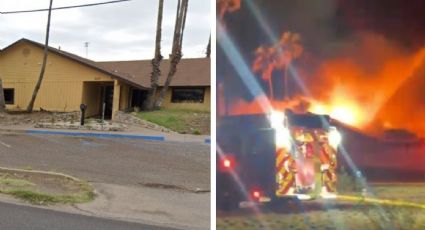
(199, 123)
(41, 187)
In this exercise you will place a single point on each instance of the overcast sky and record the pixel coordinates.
(120, 31)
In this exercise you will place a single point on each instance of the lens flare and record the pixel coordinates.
(335, 137)
(276, 119)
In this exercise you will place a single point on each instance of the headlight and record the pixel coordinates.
(276, 119)
(334, 137)
(282, 135)
(283, 138)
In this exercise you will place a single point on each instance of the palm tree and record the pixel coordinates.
(264, 63)
(156, 61)
(289, 49)
(176, 53)
(208, 53)
(43, 67)
(2, 102)
(277, 57)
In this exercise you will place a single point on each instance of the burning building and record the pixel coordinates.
(338, 58)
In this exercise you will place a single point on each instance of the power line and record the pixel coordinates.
(64, 7)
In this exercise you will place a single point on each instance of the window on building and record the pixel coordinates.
(194, 95)
(9, 96)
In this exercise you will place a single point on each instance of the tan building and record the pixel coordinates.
(71, 80)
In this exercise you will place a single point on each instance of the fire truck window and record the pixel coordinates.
(192, 95)
(9, 96)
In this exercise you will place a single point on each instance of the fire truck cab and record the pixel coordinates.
(267, 158)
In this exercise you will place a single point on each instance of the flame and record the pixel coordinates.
(263, 105)
(355, 87)
(347, 113)
(343, 106)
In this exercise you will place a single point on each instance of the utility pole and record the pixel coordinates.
(86, 44)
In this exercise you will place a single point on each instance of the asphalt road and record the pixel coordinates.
(17, 217)
(115, 161)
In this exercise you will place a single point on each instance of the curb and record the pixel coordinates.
(41, 172)
(99, 135)
(13, 130)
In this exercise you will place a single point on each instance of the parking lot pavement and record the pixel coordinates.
(115, 161)
(160, 182)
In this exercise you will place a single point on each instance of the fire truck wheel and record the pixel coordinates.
(279, 204)
(228, 204)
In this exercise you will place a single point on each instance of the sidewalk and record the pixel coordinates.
(132, 133)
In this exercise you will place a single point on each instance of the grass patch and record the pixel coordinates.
(44, 199)
(44, 188)
(15, 182)
(343, 215)
(34, 197)
(179, 120)
(355, 217)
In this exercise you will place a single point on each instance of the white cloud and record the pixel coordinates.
(116, 31)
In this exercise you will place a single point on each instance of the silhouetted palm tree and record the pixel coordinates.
(224, 6)
(277, 57)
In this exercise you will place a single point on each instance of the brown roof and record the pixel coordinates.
(190, 72)
(81, 60)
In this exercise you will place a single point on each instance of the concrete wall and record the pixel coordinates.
(205, 106)
(62, 87)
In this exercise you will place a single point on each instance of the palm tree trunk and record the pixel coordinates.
(156, 61)
(209, 48)
(176, 54)
(271, 88)
(285, 83)
(2, 102)
(183, 19)
(43, 67)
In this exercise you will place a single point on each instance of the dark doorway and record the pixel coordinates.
(107, 93)
(9, 96)
(138, 97)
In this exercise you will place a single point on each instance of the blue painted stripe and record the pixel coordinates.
(99, 135)
(208, 141)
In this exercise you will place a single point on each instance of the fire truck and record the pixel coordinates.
(279, 156)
